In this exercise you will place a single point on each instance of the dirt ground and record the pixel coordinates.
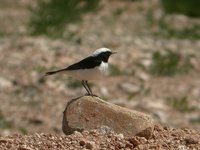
(30, 104)
(162, 138)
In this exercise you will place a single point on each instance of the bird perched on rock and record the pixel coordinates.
(89, 68)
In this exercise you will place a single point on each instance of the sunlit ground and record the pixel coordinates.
(155, 71)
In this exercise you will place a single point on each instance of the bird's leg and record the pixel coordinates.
(84, 85)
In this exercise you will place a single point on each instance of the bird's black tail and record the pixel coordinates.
(54, 72)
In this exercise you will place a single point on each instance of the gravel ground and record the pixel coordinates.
(104, 138)
(29, 105)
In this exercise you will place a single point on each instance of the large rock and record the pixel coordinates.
(91, 112)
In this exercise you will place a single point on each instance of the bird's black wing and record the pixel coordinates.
(87, 63)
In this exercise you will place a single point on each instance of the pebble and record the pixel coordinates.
(82, 143)
(90, 145)
(5, 83)
(134, 141)
(191, 140)
(120, 136)
(130, 88)
(76, 133)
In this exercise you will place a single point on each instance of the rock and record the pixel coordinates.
(130, 88)
(142, 75)
(134, 141)
(82, 143)
(90, 145)
(192, 140)
(87, 113)
(4, 83)
(146, 62)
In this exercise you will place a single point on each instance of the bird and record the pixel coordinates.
(93, 67)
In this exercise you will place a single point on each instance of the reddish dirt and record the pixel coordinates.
(30, 105)
(163, 138)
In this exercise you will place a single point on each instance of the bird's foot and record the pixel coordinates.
(93, 95)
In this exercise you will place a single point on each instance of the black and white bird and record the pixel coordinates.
(93, 67)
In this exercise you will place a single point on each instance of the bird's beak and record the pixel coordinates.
(114, 53)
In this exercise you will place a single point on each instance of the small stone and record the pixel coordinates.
(134, 141)
(76, 133)
(3, 141)
(104, 91)
(146, 62)
(143, 76)
(192, 140)
(89, 145)
(130, 88)
(24, 148)
(119, 145)
(147, 133)
(129, 145)
(158, 128)
(143, 140)
(85, 132)
(5, 83)
(120, 136)
(82, 143)
(105, 130)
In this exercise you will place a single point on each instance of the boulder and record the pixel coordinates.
(88, 113)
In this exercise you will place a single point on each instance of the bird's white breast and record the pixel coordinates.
(103, 67)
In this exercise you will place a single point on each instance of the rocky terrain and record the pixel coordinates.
(136, 30)
(103, 138)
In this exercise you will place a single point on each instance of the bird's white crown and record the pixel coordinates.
(101, 50)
